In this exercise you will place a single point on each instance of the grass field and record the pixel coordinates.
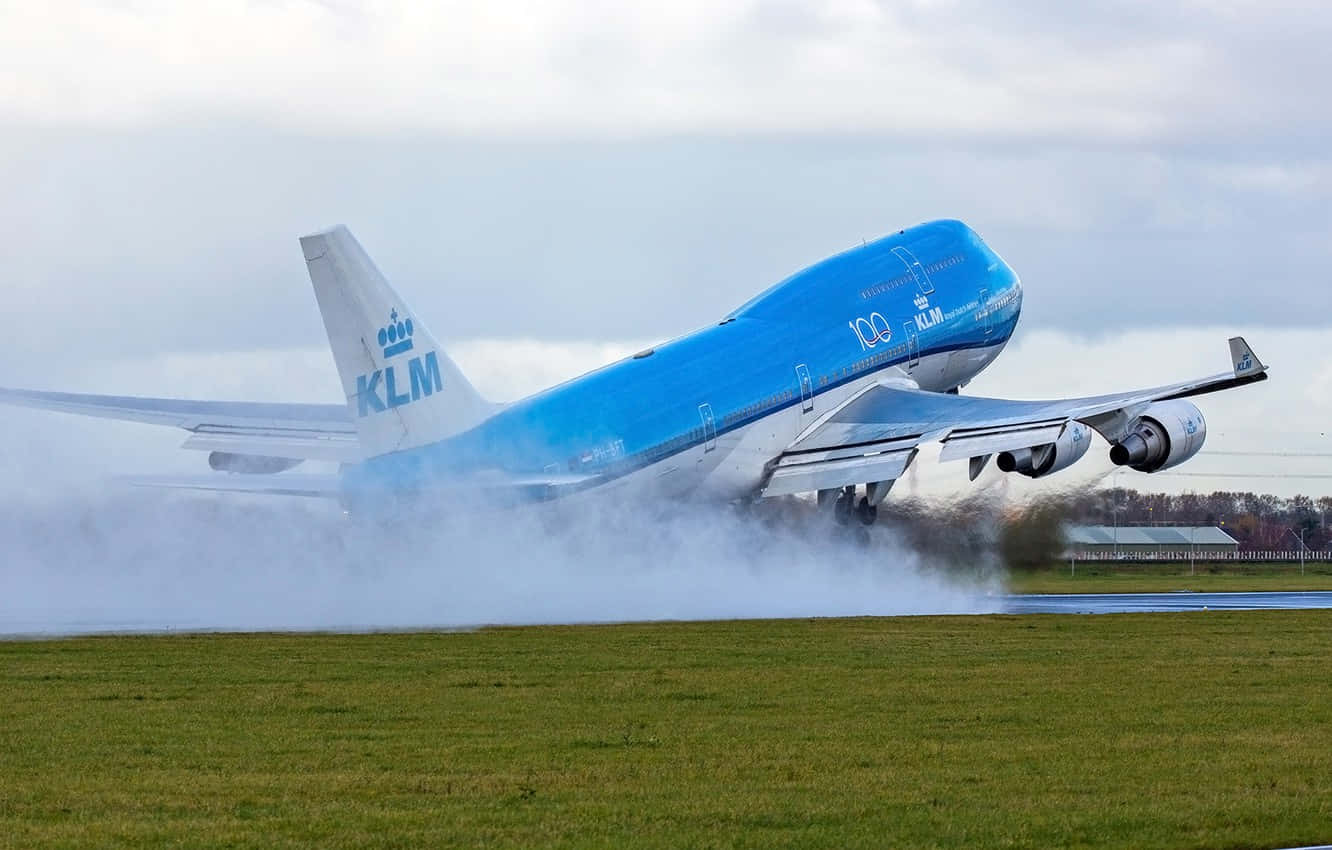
(1129, 577)
(1185, 730)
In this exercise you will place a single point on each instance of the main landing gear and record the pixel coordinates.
(845, 505)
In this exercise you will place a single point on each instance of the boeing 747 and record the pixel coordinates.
(826, 383)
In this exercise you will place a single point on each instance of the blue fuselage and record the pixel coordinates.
(933, 302)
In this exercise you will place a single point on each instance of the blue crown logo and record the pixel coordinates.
(396, 336)
(921, 302)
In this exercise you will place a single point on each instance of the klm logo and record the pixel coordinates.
(929, 318)
(396, 337)
(1190, 427)
(1245, 364)
(380, 390)
(921, 302)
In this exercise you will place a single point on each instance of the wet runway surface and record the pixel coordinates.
(1013, 603)
(1126, 603)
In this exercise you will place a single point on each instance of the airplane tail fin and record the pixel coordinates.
(402, 389)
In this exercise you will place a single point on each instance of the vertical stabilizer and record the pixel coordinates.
(402, 389)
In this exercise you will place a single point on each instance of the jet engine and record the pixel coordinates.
(1167, 434)
(1042, 460)
(250, 464)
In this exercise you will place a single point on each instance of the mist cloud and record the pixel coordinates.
(151, 561)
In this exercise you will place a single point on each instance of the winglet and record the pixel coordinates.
(1245, 361)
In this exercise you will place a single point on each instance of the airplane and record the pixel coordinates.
(827, 383)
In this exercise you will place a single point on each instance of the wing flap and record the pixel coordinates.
(793, 457)
(790, 478)
(959, 445)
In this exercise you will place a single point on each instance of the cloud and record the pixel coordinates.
(1107, 72)
(127, 240)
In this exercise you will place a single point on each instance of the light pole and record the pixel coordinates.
(1193, 532)
(1114, 489)
(1301, 539)
(1114, 510)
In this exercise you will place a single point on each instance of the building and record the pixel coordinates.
(1147, 542)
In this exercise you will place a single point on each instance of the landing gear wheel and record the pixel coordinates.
(842, 508)
(866, 512)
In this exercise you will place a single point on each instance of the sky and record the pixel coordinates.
(553, 184)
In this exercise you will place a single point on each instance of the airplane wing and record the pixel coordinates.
(874, 436)
(268, 431)
(296, 431)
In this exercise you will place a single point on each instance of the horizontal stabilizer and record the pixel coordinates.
(337, 448)
(286, 484)
(491, 488)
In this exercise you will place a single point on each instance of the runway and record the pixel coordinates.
(35, 626)
(1128, 603)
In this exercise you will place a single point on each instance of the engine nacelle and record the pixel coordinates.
(1038, 461)
(1167, 434)
(250, 464)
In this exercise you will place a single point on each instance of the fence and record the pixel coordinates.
(1274, 555)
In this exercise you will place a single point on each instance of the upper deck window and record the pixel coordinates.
(880, 288)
